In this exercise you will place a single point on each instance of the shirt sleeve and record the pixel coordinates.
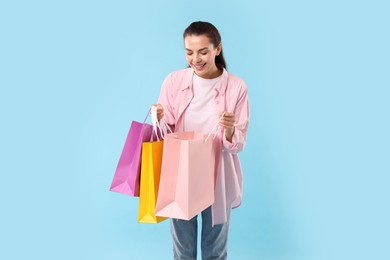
(241, 112)
(166, 100)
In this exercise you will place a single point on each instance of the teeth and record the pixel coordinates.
(198, 67)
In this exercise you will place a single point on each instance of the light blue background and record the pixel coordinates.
(73, 74)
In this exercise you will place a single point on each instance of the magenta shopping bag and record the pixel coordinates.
(126, 178)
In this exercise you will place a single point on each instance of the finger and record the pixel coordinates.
(227, 126)
(228, 123)
(159, 108)
(228, 119)
(226, 113)
(222, 113)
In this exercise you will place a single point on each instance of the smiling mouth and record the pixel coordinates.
(199, 67)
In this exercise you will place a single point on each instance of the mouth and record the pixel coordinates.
(199, 66)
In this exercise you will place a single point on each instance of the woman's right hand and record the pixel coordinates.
(160, 111)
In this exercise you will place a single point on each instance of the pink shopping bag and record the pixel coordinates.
(126, 177)
(187, 175)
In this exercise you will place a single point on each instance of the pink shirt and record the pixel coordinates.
(231, 95)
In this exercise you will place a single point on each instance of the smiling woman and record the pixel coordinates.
(201, 55)
(194, 99)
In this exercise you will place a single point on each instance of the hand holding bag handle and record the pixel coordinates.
(161, 125)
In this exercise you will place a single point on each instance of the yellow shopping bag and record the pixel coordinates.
(150, 180)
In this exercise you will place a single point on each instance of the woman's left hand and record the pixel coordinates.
(227, 122)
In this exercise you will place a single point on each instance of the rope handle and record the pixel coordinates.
(215, 127)
(159, 127)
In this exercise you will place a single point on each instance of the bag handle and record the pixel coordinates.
(155, 123)
(159, 127)
(215, 127)
(165, 127)
(147, 115)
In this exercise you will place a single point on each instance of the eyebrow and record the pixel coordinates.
(205, 48)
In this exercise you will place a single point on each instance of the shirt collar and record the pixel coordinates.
(220, 86)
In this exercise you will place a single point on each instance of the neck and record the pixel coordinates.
(213, 74)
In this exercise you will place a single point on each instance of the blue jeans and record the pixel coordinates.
(213, 242)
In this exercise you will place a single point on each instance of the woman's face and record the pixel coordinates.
(200, 55)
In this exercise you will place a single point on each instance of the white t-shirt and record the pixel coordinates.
(201, 115)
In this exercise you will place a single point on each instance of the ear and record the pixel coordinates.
(219, 49)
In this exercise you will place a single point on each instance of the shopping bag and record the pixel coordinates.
(126, 177)
(150, 174)
(150, 180)
(187, 175)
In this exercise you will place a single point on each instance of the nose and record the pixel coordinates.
(197, 58)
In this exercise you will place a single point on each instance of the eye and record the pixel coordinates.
(189, 53)
(204, 52)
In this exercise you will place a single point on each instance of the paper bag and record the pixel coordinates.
(126, 177)
(150, 180)
(187, 175)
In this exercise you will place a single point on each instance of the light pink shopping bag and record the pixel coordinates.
(126, 177)
(187, 175)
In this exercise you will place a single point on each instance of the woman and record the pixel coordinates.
(193, 99)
